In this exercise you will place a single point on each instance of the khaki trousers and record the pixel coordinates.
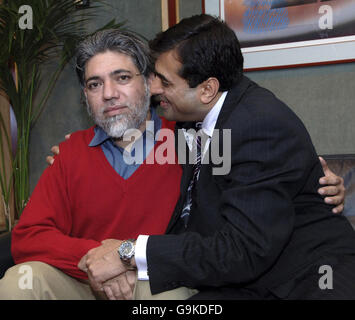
(36, 280)
(142, 292)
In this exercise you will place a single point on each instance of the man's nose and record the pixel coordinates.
(156, 87)
(110, 90)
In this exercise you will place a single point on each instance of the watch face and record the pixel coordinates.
(126, 249)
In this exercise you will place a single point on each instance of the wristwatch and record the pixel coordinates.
(126, 251)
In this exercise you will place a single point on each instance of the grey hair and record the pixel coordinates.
(113, 40)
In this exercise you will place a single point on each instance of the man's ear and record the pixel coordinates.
(150, 79)
(85, 93)
(209, 90)
(85, 96)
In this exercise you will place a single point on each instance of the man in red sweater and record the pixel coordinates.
(90, 195)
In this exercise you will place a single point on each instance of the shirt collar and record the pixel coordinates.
(209, 122)
(99, 138)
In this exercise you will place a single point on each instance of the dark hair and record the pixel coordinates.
(113, 40)
(207, 47)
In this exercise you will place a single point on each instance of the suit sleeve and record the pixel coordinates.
(270, 163)
(43, 231)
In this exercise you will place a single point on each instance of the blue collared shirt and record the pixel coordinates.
(115, 154)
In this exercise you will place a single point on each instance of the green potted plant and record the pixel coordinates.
(55, 29)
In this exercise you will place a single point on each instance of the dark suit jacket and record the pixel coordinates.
(263, 224)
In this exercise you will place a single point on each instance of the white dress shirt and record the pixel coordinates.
(208, 125)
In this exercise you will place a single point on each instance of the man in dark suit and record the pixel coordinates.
(261, 230)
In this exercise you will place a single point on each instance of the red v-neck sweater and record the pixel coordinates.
(80, 200)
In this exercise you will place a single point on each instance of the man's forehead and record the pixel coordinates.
(168, 65)
(170, 58)
(111, 58)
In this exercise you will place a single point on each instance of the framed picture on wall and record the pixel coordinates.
(289, 33)
(169, 13)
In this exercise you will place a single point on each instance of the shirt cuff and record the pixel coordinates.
(141, 257)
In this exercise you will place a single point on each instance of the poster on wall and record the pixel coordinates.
(285, 33)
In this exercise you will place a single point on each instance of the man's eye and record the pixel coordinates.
(124, 78)
(93, 85)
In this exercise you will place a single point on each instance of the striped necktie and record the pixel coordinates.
(196, 171)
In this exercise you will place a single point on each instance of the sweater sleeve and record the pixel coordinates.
(43, 232)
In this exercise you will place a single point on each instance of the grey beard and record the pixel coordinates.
(116, 126)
